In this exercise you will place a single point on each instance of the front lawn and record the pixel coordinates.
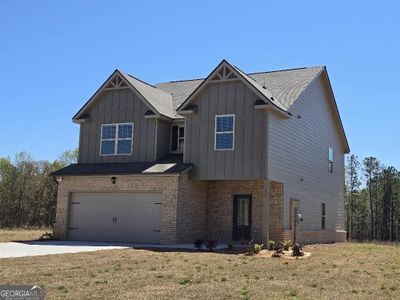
(341, 271)
(18, 234)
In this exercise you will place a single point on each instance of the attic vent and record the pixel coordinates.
(116, 83)
(224, 74)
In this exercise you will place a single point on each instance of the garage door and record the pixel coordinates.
(115, 217)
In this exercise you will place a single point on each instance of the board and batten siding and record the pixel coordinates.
(248, 159)
(118, 106)
(298, 157)
(163, 138)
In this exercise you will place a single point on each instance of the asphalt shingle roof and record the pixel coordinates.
(283, 86)
(169, 165)
(159, 99)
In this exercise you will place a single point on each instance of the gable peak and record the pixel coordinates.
(224, 73)
(116, 82)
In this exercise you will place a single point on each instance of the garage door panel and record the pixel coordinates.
(120, 217)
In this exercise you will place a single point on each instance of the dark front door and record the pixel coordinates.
(241, 217)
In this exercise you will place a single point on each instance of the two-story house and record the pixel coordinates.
(229, 157)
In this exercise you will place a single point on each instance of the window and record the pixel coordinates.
(177, 138)
(323, 216)
(116, 139)
(330, 159)
(224, 132)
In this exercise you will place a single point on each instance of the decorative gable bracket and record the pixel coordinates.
(224, 75)
(116, 83)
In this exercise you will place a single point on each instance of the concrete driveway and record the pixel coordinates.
(34, 248)
(20, 249)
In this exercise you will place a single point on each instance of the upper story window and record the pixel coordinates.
(323, 214)
(116, 139)
(224, 132)
(177, 138)
(330, 159)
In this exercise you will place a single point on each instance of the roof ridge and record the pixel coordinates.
(142, 81)
(284, 70)
(181, 80)
(250, 73)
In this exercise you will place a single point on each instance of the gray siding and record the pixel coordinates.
(117, 106)
(298, 149)
(163, 138)
(248, 160)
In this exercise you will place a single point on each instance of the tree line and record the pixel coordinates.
(27, 192)
(372, 206)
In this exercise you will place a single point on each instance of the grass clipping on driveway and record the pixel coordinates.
(342, 271)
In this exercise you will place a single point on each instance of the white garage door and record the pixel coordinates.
(115, 217)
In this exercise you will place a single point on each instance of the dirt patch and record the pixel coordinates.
(285, 254)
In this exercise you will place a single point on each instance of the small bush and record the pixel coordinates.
(230, 245)
(211, 245)
(198, 243)
(278, 249)
(287, 245)
(46, 236)
(271, 245)
(250, 247)
(297, 250)
(258, 248)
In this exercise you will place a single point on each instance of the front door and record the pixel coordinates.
(241, 217)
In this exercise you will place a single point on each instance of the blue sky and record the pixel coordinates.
(55, 54)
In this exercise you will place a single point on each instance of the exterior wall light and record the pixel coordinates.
(113, 179)
(59, 179)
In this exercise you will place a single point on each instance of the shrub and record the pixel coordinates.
(287, 245)
(230, 245)
(271, 245)
(258, 248)
(46, 236)
(211, 245)
(198, 243)
(278, 247)
(250, 247)
(297, 250)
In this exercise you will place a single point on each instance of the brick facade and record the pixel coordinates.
(276, 211)
(168, 185)
(191, 209)
(197, 209)
(220, 208)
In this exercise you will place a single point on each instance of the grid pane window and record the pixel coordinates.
(107, 147)
(116, 139)
(177, 138)
(224, 132)
(108, 132)
(124, 146)
(125, 131)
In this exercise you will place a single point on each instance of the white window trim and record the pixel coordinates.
(179, 138)
(216, 133)
(323, 215)
(116, 139)
(330, 159)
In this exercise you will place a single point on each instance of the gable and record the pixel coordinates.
(120, 81)
(335, 111)
(225, 72)
(322, 82)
